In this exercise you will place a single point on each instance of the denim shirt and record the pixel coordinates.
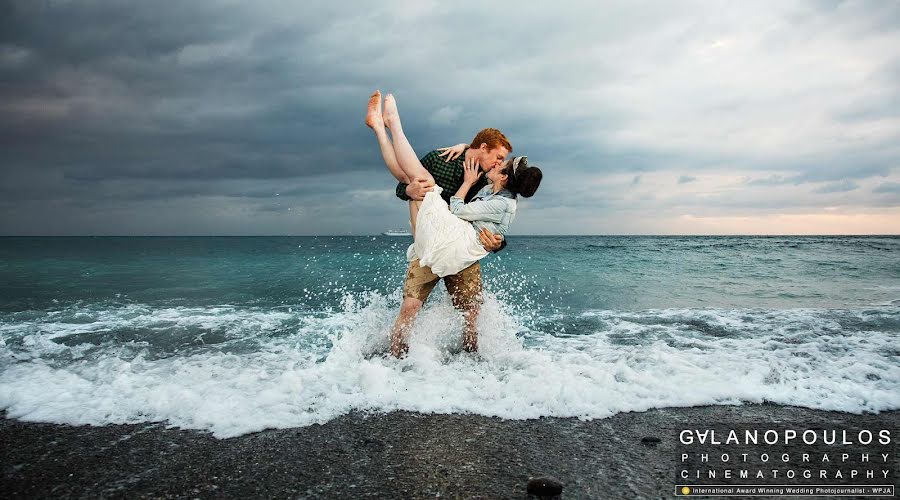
(494, 211)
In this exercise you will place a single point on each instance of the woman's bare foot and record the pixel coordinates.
(373, 114)
(391, 116)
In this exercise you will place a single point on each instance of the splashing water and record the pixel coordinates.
(256, 363)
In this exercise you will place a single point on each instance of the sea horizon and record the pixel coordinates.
(877, 235)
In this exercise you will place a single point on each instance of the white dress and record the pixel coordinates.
(444, 242)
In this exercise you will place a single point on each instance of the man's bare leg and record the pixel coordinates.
(400, 332)
(404, 152)
(465, 291)
(470, 335)
(375, 121)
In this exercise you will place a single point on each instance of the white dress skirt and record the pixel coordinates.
(444, 242)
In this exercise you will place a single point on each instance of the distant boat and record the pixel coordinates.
(396, 233)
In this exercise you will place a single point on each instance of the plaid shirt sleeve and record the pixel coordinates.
(401, 191)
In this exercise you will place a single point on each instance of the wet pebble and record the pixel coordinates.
(544, 486)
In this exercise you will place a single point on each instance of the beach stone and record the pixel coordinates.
(544, 486)
(650, 440)
(372, 444)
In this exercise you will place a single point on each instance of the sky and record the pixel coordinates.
(646, 117)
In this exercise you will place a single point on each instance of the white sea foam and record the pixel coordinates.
(333, 364)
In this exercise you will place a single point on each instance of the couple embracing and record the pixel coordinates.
(462, 200)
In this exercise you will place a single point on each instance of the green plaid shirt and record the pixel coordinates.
(447, 174)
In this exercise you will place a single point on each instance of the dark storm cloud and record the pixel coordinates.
(146, 101)
(174, 118)
(837, 187)
(823, 173)
(888, 187)
(773, 180)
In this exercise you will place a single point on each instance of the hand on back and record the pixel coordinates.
(490, 241)
(451, 153)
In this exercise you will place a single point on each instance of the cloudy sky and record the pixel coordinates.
(647, 117)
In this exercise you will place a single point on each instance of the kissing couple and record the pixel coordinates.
(462, 200)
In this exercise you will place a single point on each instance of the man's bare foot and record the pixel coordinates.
(373, 114)
(391, 115)
(399, 349)
(470, 345)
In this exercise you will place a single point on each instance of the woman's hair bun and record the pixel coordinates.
(522, 179)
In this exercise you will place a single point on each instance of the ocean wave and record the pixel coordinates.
(276, 368)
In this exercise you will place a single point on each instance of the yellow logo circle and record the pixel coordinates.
(685, 490)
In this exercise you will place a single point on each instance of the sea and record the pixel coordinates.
(232, 335)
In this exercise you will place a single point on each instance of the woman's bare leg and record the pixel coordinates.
(404, 152)
(375, 121)
(413, 213)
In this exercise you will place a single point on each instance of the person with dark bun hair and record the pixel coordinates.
(523, 179)
(453, 230)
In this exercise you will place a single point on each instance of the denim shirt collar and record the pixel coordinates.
(487, 193)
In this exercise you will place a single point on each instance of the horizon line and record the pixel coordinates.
(385, 236)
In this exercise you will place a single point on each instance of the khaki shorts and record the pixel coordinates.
(464, 287)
